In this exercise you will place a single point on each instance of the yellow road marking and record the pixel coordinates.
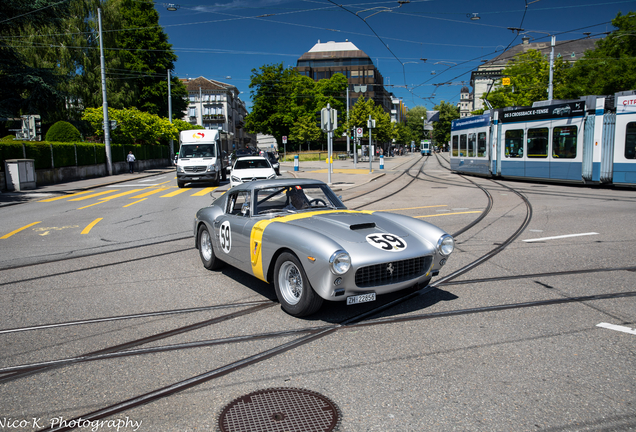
(205, 191)
(6, 236)
(65, 196)
(171, 194)
(447, 214)
(133, 203)
(93, 195)
(90, 226)
(415, 208)
(150, 192)
(91, 205)
(159, 184)
(121, 194)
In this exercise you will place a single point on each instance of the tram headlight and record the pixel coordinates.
(445, 245)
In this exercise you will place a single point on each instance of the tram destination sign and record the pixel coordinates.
(571, 109)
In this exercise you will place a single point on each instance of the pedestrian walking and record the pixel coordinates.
(131, 161)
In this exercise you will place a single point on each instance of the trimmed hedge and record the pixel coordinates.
(63, 131)
(87, 153)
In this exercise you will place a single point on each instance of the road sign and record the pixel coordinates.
(359, 132)
(505, 81)
(284, 139)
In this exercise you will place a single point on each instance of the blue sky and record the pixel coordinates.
(225, 39)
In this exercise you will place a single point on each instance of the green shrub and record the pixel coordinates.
(40, 152)
(8, 138)
(63, 132)
(64, 154)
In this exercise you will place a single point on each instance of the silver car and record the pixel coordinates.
(297, 235)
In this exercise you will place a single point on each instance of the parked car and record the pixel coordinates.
(251, 168)
(297, 235)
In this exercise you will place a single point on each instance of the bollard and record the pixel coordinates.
(381, 161)
(296, 163)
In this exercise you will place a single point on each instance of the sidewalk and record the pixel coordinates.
(344, 176)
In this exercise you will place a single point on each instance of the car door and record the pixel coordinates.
(233, 230)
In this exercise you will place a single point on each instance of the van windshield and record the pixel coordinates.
(197, 151)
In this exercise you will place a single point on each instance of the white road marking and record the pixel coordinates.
(617, 328)
(560, 237)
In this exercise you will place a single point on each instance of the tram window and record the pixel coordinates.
(455, 148)
(481, 144)
(471, 145)
(564, 142)
(462, 145)
(514, 143)
(630, 141)
(538, 143)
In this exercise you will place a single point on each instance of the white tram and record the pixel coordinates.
(590, 140)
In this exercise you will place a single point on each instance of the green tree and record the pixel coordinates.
(27, 88)
(133, 126)
(610, 67)
(415, 121)
(285, 103)
(529, 75)
(442, 128)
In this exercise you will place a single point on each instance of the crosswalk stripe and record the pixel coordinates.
(204, 191)
(65, 196)
(92, 195)
(171, 194)
(150, 192)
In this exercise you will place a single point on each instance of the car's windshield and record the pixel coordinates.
(251, 164)
(197, 151)
(295, 198)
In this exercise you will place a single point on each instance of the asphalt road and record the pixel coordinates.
(512, 344)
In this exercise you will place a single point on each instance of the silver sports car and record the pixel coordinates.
(296, 234)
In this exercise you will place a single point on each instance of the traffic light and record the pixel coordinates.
(37, 120)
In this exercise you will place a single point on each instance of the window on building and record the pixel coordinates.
(193, 98)
(192, 112)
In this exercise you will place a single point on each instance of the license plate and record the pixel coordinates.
(362, 298)
(195, 178)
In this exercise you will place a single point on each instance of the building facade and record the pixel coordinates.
(216, 105)
(465, 104)
(324, 60)
(484, 78)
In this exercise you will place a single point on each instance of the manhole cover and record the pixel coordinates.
(280, 410)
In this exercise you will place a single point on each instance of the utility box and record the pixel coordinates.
(19, 174)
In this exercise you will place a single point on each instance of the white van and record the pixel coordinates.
(200, 158)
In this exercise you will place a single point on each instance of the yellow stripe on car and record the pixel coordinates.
(256, 236)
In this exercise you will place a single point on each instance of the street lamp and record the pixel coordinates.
(171, 7)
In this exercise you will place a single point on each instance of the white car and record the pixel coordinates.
(246, 169)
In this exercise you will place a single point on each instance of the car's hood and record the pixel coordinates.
(349, 226)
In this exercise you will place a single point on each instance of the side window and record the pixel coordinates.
(471, 145)
(236, 201)
(564, 142)
(455, 147)
(462, 145)
(481, 144)
(630, 141)
(538, 143)
(514, 143)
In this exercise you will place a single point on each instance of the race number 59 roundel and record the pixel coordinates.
(225, 235)
(387, 242)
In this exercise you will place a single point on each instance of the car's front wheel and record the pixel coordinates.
(293, 289)
(206, 250)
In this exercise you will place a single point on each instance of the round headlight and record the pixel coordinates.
(445, 245)
(340, 262)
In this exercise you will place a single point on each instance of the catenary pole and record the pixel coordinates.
(106, 125)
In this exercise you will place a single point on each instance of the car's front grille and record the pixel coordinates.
(249, 179)
(195, 169)
(392, 272)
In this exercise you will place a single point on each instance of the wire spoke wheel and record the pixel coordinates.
(291, 283)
